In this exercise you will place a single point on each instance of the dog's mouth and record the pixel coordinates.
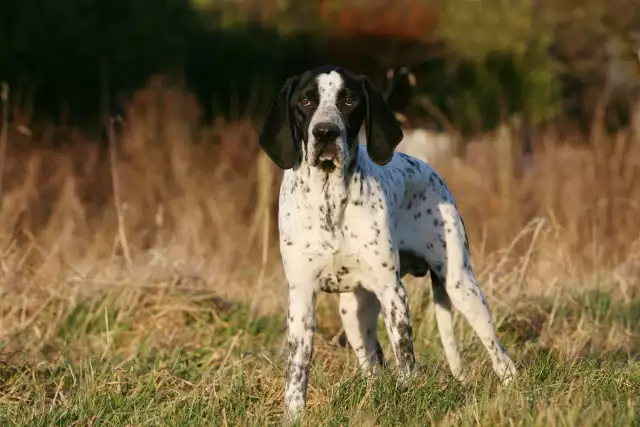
(327, 165)
(328, 159)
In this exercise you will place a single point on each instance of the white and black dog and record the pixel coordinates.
(355, 219)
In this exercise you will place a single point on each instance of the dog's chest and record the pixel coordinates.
(340, 254)
(340, 273)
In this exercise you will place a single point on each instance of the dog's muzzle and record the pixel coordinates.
(326, 145)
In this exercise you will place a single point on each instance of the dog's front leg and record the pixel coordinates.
(397, 319)
(301, 322)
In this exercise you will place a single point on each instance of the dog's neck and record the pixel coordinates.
(326, 193)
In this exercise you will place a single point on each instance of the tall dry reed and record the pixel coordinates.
(197, 201)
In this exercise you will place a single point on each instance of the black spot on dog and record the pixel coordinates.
(394, 309)
(405, 345)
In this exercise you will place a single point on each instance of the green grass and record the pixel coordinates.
(100, 363)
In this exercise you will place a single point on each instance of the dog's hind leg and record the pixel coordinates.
(467, 297)
(359, 312)
(465, 293)
(444, 319)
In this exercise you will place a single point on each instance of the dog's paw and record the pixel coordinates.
(507, 372)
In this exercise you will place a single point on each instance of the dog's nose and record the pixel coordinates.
(326, 132)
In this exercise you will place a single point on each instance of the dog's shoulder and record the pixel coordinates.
(405, 176)
(402, 165)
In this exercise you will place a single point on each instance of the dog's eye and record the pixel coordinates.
(349, 101)
(305, 102)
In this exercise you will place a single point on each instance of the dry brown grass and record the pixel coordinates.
(190, 197)
(193, 205)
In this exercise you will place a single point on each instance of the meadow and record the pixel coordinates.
(142, 285)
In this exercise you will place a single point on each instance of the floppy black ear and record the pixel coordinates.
(382, 129)
(278, 137)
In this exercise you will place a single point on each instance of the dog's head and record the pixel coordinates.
(317, 115)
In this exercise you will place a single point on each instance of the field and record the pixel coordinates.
(149, 291)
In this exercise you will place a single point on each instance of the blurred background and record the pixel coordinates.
(140, 274)
(129, 134)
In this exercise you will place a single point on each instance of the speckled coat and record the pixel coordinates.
(353, 224)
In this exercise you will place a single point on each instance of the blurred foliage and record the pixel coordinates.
(477, 60)
(478, 94)
(285, 16)
(508, 45)
(56, 48)
(474, 28)
(596, 43)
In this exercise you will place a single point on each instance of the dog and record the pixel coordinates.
(355, 219)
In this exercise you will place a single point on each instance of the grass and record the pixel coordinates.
(190, 330)
(221, 367)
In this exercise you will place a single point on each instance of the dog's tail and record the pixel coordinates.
(399, 91)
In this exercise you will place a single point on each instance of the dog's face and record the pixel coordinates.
(328, 110)
(316, 118)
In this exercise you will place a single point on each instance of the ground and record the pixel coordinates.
(163, 356)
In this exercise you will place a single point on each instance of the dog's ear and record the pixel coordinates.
(278, 135)
(382, 129)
